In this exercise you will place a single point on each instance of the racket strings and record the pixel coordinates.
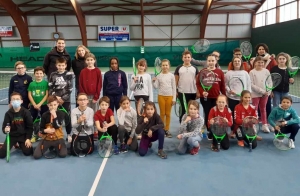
(273, 80)
(236, 85)
(246, 48)
(207, 78)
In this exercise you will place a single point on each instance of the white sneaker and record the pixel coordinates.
(291, 144)
(265, 128)
(272, 129)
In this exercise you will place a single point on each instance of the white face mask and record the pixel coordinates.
(16, 104)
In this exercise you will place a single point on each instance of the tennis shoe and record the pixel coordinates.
(116, 150)
(291, 144)
(265, 128)
(168, 134)
(123, 148)
(241, 143)
(195, 150)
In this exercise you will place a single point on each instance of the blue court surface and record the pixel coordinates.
(265, 171)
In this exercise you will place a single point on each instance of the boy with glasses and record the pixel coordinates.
(19, 83)
(238, 53)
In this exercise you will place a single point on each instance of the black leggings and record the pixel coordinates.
(112, 131)
(207, 105)
(240, 135)
(292, 129)
(224, 143)
(188, 97)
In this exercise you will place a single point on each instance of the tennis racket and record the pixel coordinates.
(7, 145)
(219, 129)
(246, 49)
(67, 115)
(157, 66)
(272, 81)
(201, 46)
(140, 107)
(281, 140)
(295, 65)
(236, 85)
(105, 146)
(185, 105)
(249, 129)
(82, 144)
(51, 152)
(36, 127)
(178, 108)
(134, 72)
(207, 79)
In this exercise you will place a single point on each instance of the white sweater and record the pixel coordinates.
(241, 74)
(166, 85)
(143, 86)
(258, 79)
(128, 120)
(88, 125)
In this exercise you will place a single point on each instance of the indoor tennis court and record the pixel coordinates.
(157, 28)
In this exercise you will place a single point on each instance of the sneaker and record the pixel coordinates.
(139, 136)
(272, 129)
(162, 154)
(168, 134)
(265, 128)
(241, 143)
(258, 138)
(209, 136)
(123, 148)
(291, 144)
(116, 150)
(195, 150)
(95, 136)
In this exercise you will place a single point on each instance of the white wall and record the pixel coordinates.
(157, 31)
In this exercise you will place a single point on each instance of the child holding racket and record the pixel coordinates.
(105, 122)
(82, 115)
(241, 111)
(61, 84)
(220, 110)
(114, 84)
(141, 84)
(165, 82)
(127, 119)
(185, 76)
(20, 126)
(290, 119)
(51, 130)
(259, 92)
(90, 83)
(151, 127)
(282, 90)
(236, 80)
(215, 79)
(190, 129)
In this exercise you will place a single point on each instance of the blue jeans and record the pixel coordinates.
(188, 141)
(277, 97)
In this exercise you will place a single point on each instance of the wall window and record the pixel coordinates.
(266, 14)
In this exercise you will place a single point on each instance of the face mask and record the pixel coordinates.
(16, 103)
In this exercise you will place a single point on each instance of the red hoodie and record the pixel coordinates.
(214, 112)
(90, 82)
(240, 113)
(218, 86)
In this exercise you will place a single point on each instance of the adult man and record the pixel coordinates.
(56, 52)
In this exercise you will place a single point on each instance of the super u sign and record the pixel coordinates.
(6, 31)
(113, 33)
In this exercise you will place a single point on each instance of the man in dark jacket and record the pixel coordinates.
(56, 52)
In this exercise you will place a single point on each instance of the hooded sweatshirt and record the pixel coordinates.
(20, 123)
(278, 113)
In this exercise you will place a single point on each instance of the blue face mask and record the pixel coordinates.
(16, 104)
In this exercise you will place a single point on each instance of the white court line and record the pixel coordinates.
(99, 174)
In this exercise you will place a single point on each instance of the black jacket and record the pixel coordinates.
(154, 123)
(20, 84)
(20, 123)
(50, 59)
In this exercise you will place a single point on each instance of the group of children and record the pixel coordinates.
(43, 98)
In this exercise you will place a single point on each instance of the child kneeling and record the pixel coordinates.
(51, 130)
